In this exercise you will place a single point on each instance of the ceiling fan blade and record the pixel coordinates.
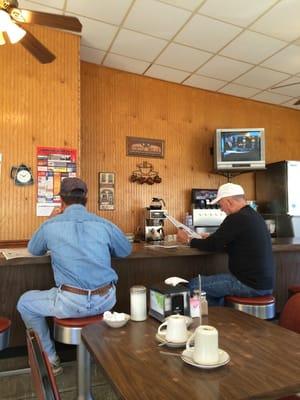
(37, 49)
(41, 18)
(289, 84)
(297, 103)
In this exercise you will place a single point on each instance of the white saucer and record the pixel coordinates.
(188, 320)
(161, 337)
(187, 357)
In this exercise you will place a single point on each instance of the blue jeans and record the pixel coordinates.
(220, 285)
(35, 305)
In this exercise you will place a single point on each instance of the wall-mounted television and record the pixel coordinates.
(239, 149)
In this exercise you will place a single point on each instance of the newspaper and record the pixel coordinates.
(20, 252)
(180, 225)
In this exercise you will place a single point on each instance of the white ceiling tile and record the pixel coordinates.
(286, 60)
(261, 78)
(187, 4)
(224, 68)
(238, 90)
(46, 3)
(91, 55)
(182, 57)
(206, 33)
(137, 45)
(269, 97)
(291, 104)
(215, 25)
(252, 47)
(293, 90)
(29, 5)
(239, 12)
(166, 74)
(144, 14)
(111, 11)
(203, 82)
(282, 21)
(97, 34)
(125, 63)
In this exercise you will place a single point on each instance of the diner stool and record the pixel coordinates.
(68, 331)
(262, 307)
(293, 289)
(4, 332)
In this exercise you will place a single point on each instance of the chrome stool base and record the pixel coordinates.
(263, 312)
(5, 324)
(68, 331)
(260, 306)
(4, 339)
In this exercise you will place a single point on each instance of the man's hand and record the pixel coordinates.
(56, 211)
(182, 236)
(204, 235)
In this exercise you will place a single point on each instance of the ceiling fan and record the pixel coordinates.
(297, 103)
(13, 19)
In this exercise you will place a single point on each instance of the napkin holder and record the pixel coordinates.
(166, 300)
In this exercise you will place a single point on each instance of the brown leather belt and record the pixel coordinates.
(100, 291)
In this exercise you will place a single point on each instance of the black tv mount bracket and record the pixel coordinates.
(230, 175)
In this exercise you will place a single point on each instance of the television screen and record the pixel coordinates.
(240, 149)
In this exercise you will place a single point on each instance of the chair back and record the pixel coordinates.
(41, 372)
(290, 315)
(290, 319)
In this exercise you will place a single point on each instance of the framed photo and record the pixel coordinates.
(106, 190)
(143, 147)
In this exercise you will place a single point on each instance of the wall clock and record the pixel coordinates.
(22, 175)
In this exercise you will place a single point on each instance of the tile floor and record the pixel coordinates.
(18, 386)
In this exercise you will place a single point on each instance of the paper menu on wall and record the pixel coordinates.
(180, 225)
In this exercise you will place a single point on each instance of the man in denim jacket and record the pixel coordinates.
(81, 245)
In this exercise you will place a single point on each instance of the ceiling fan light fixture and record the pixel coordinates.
(2, 40)
(15, 33)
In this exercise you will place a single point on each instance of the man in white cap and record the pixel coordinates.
(243, 235)
(81, 246)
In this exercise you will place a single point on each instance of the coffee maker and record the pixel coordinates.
(207, 217)
(154, 217)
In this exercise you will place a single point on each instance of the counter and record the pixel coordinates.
(145, 266)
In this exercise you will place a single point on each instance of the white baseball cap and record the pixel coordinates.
(228, 190)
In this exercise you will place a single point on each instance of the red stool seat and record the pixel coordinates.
(4, 324)
(260, 300)
(77, 322)
(293, 289)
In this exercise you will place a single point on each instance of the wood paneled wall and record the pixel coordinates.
(40, 106)
(117, 104)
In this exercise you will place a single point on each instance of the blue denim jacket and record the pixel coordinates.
(81, 246)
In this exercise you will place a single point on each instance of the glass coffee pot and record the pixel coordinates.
(157, 203)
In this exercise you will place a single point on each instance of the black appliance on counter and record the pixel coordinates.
(166, 300)
(207, 217)
(278, 197)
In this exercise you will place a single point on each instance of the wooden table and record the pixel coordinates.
(265, 361)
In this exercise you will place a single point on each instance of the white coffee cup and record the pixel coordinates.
(206, 347)
(176, 330)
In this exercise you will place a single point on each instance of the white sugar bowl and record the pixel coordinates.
(115, 319)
